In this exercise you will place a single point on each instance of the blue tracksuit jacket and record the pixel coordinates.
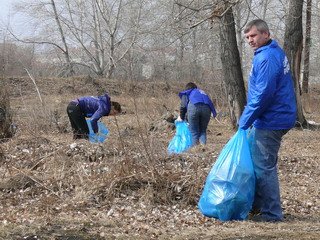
(271, 99)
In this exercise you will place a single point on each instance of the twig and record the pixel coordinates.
(35, 166)
(36, 181)
(34, 82)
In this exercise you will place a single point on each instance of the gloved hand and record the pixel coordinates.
(179, 119)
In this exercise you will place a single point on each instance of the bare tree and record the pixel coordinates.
(113, 30)
(47, 13)
(181, 47)
(293, 48)
(264, 9)
(83, 24)
(242, 12)
(305, 77)
(69, 64)
(94, 35)
(231, 66)
(229, 54)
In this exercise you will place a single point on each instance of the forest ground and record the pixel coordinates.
(54, 188)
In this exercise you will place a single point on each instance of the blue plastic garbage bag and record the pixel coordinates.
(102, 134)
(182, 139)
(229, 189)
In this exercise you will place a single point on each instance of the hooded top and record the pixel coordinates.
(95, 107)
(195, 96)
(271, 99)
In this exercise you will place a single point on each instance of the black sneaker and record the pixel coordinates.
(254, 212)
(260, 218)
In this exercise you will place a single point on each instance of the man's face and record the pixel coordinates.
(255, 38)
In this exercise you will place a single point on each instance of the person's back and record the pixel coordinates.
(91, 104)
(197, 104)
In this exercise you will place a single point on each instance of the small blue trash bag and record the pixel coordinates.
(182, 139)
(102, 134)
(229, 189)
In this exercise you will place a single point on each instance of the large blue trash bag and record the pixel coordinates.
(229, 189)
(102, 134)
(182, 140)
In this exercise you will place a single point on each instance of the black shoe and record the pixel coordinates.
(260, 218)
(255, 212)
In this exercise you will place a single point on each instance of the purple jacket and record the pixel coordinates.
(195, 96)
(95, 107)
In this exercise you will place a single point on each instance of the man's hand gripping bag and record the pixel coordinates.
(229, 189)
(182, 140)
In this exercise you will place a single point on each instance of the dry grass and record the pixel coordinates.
(128, 187)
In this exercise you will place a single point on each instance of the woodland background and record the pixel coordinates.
(140, 40)
(142, 53)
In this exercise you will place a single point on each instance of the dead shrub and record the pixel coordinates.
(5, 115)
(159, 179)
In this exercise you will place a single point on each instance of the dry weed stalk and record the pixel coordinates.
(37, 89)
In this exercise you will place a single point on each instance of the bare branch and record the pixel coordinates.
(36, 42)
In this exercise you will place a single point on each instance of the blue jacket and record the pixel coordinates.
(95, 107)
(271, 99)
(195, 96)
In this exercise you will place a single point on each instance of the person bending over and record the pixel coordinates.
(93, 107)
(198, 107)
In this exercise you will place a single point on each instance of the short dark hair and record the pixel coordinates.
(191, 85)
(116, 106)
(259, 23)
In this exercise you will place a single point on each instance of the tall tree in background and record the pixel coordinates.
(231, 66)
(229, 53)
(69, 65)
(293, 46)
(306, 64)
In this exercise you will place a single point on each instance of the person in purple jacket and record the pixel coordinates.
(271, 111)
(198, 107)
(90, 107)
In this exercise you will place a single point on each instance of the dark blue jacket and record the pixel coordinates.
(271, 99)
(95, 107)
(195, 96)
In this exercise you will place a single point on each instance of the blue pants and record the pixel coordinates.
(265, 146)
(198, 118)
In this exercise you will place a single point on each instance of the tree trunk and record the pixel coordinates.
(231, 68)
(305, 78)
(181, 48)
(293, 48)
(69, 66)
(265, 8)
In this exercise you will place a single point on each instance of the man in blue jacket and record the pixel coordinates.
(271, 110)
(199, 107)
(90, 107)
